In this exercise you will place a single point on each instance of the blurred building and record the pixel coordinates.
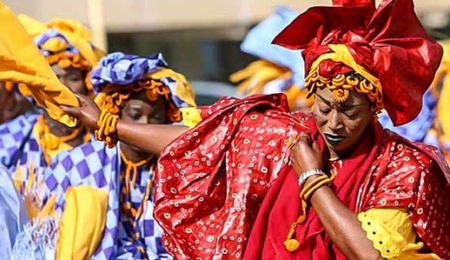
(199, 38)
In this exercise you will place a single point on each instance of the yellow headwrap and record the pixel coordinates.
(77, 34)
(22, 62)
(112, 96)
(443, 94)
(258, 74)
(342, 84)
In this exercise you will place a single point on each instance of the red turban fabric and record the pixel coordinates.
(388, 42)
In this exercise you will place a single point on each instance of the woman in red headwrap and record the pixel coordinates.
(253, 180)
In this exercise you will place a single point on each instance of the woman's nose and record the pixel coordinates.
(335, 122)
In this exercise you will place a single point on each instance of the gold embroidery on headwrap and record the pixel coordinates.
(342, 84)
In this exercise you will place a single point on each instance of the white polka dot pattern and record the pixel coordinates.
(207, 187)
(211, 181)
(412, 176)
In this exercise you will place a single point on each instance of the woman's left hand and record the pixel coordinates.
(306, 155)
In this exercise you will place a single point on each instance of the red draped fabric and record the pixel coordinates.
(282, 204)
(212, 180)
(389, 42)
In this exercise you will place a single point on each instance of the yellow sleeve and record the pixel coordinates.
(82, 223)
(393, 234)
(191, 116)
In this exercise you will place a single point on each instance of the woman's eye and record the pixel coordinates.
(351, 115)
(73, 78)
(324, 110)
(156, 119)
(135, 116)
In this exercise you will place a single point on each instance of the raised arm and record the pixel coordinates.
(152, 138)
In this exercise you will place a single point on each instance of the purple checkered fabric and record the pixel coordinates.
(18, 145)
(96, 165)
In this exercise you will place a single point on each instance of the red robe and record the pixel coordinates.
(212, 181)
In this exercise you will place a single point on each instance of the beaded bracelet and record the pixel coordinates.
(305, 195)
(107, 128)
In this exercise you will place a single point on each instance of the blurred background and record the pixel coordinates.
(199, 38)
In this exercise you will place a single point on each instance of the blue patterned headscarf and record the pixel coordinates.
(417, 129)
(258, 42)
(123, 69)
(64, 44)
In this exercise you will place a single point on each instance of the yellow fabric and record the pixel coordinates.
(191, 116)
(77, 34)
(107, 128)
(29, 188)
(52, 144)
(297, 100)
(308, 189)
(183, 90)
(32, 190)
(443, 106)
(393, 234)
(342, 54)
(82, 223)
(256, 75)
(21, 62)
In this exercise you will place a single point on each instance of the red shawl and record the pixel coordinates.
(282, 203)
(212, 180)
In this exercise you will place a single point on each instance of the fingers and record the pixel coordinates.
(305, 138)
(316, 147)
(71, 111)
(82, 98)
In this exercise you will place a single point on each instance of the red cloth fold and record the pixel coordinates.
(282, 207)
(389, 42)
(211, 182)
(213, 179)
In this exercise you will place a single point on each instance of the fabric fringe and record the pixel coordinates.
(37, 241)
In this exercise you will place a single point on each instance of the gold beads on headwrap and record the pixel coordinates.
(342, 84)
(115, 96)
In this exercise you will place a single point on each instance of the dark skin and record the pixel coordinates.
(11, 104)
(138, 109)
(74, 80)
(156, 137)
(348, 119)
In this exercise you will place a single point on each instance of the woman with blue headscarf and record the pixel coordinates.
(104, 190)
(31, 140)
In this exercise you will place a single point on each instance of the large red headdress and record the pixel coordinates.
(386, 45)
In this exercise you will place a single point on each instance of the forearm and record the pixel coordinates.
(343, 226)
(151, 138)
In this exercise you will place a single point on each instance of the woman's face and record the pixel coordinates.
(140, 110)
(11, 104)
(341, 124)
(72, 78)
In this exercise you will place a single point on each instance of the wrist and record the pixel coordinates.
(303, 177)
(311, 179)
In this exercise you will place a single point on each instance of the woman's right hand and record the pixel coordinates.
(87, 113)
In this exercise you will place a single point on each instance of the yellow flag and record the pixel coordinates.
(22, 62)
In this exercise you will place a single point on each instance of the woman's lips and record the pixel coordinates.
(334, 139)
